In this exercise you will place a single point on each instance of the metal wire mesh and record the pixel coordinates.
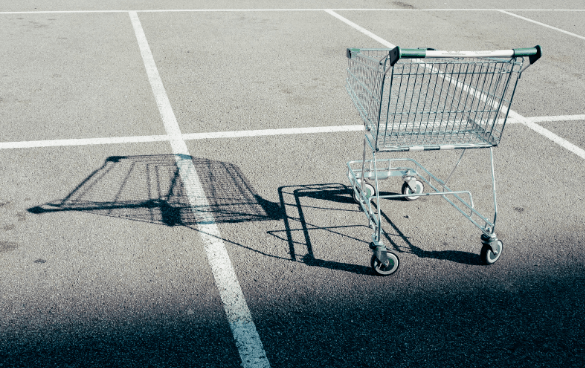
(432, 103)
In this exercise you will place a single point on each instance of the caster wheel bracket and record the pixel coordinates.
(491, 242)
(411, 182)
(381, 253)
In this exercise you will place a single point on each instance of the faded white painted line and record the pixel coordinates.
(543, 119)
(280, 10)
(228, 10)
(185, 137)
(361, 29)
(455, 10)
(548, 134)
(237, 134)
(83, 142)
(542, 24)
(268, 132)
(514, 115)
(238, 314)
(157, 11)
(63, 12)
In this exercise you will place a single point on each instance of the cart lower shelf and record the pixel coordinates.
(364, 177)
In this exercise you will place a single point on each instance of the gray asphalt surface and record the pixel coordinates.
(101, 263)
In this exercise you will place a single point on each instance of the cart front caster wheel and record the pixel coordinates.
(369, 189)
(488, 256)
(418, 189)
(382, 270)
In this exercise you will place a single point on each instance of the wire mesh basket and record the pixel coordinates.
(431, 103)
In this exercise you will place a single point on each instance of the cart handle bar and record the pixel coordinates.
(533, 53)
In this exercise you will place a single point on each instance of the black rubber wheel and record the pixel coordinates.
(419, 189)
(382, 270)
(370, 191)
(488, 257)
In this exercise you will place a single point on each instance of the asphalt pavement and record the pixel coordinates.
(104, 262)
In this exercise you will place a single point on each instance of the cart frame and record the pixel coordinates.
(420, 100)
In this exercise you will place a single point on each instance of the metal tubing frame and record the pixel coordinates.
(489, 100)
(494, 190)
(374, 217)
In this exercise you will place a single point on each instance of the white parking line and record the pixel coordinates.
(550, 135)
(185, 137)
(282, 10)
(266, 132)
(547, 119)
(238, 314)
(361, 29)
(237, 134)
(82, 142)
(542, 24)
(456, 9)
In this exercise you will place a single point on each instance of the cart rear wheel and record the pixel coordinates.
(382, 270)
(488, 256)
(419, 189)
(369, 189)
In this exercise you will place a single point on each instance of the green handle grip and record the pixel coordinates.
(413, 53)
(349, 51)
(533, 53)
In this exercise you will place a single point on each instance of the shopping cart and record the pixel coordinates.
(420, 100)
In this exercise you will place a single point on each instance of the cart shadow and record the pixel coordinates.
(295, 224)
(149, 188)
(295, 221)
(448, 255)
